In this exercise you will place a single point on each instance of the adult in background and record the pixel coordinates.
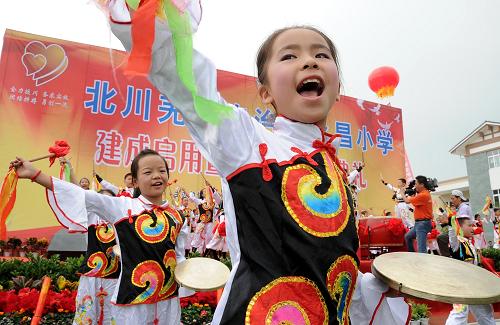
(462, 207)
(422, 202)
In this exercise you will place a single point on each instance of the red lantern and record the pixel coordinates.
(383, 81)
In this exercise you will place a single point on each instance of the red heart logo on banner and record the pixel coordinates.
(55, 63)
(33, 63)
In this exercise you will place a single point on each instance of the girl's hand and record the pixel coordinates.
(64, 160)
(23, 168)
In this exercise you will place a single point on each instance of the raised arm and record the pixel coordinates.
(69, 202)
(107, 185)
(226, 145)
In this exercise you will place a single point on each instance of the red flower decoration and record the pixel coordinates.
(433, 234)
(396, 227)
(209, 297)
(60, 149)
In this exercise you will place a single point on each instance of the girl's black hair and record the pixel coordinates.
(134, 167)
(106, 191)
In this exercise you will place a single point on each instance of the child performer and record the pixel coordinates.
(218, 242)
(99, 273)
(461, 248)
(100, 268)
(186, 213)
(432, 244)
(479, 239)
(128, 181)
(289, 223)
(204, 229)
(401, 208)
(150, 234)
(495, 220)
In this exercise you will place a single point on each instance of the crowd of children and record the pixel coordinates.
(135, 239)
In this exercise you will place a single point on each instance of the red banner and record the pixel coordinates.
(54, 89)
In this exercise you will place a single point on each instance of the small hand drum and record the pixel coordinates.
(437, 278)
(201, 274)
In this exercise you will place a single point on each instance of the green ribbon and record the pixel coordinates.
(133, 4)
(180, 27)
(67, 173)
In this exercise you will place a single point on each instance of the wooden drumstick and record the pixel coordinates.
(43, 157)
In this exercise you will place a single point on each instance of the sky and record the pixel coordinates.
(447, 54)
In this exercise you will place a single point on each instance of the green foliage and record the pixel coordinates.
(70, 268)
(194, 254)
(21, 282)
(57, 319)
(493, 253)
(419, 311)
(196, 314)
(37, 267)
(227, 262)
(25, 318)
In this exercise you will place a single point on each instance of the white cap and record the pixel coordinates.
(463, 216)
(459, 194)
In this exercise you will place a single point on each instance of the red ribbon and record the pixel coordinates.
(143, 35)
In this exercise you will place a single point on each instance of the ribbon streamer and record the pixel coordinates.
(7, 200)
(178, 19)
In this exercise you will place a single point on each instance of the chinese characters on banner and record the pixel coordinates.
(54, 89)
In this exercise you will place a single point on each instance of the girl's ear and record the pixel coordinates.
(265, 95)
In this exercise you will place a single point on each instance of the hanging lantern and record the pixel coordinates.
(383, 81)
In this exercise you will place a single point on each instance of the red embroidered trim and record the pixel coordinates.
(267, 175)
(305, 155)
(56, 214)
(408, 318)
(130, 219)
(382, 297)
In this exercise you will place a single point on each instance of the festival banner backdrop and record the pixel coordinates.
(54, 89)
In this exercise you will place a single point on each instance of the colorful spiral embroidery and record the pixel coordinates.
(341, 280)
(149, 275)
(151, 230)
(175, 215)
(170, 262)
(114, 262)
(105, 233)
(321, 215)
(288, 300)
(173, 234)
(98, 264)
(82, 309)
